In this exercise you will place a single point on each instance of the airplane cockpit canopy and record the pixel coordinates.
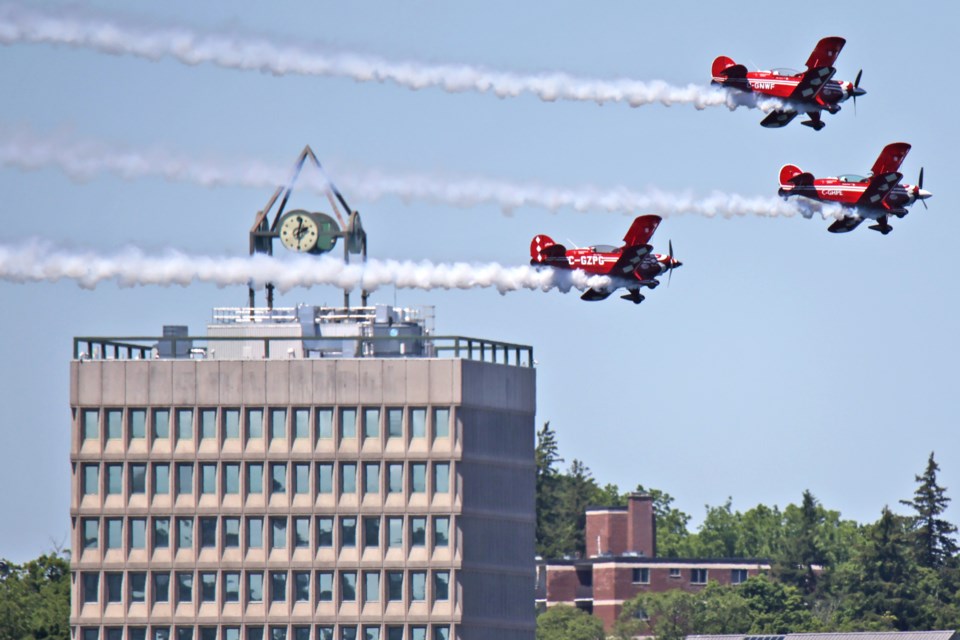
(852, 177)
(785, 71)
(603, 248)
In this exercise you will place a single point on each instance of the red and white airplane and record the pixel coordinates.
(631, 266)
(811, 91)
(876, 196)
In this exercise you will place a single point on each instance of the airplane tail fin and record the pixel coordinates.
(787, 173)
(542, 247)
(795, 180)
(726, 71)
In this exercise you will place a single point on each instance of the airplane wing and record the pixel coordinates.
(629, 260)
(641, 230)
(777, 119)
(845, 224)
(826, 52)
(890, 158)
(879, 188)
(592, 295)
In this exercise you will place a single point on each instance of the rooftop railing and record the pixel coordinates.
(197, 348)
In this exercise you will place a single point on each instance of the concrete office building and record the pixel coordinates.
(248, 491)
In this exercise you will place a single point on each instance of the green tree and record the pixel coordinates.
(776, 608)
(673, 537)
(550, 518)
(719, 535)
(578, 491)
(802, 557)
(675, 614)
(563, 622)
(932, 535)
(35, 599)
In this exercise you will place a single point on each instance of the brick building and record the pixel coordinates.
(621, 562)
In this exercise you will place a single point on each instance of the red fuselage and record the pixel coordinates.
(781, 83)
(847, 191)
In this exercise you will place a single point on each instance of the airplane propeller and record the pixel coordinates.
(670, 261)
(920, 189)
(857, 91)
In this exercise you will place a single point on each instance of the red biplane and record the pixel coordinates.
(811, 91)
(631, 266)
(876, 196)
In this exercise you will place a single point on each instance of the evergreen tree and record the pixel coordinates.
(932, 535)
(802, 557)
(579, 491)
(549, 514)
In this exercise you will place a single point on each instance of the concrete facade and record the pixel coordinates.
(302, 499)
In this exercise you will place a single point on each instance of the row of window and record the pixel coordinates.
(641, 575)
(298, 423)
(282, 532)
(225, 587)
(298, 478)
(273, 632)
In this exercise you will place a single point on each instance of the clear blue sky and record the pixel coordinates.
(782, 358)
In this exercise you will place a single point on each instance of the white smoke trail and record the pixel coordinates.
(19, 24)
(83, 160)
(36, 261)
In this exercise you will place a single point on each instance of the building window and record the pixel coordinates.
(301, 424)
(208, 479)
(394, 633)
(323, 633)
(278, 477)
(161, 533)
(114, 479)
(208, 586)
(138, 479)
(418, 423)
(278, 633)
(394, 423)
(418, 586)
(231, 633)
(138, 587)
(674, 573)
(254, 423)
(208, 424)
(441, 477)
(394, 586)
(738, 576)
(278, 424)
(161, 633)
(348, 586)
(114, 533)
(254, 478)
(698, 576)
(324, 532)
(208, 633)
(301, 633)
(208, 533)
(371, 633)
(301, 586)
(301, 533)
(371, 422)
(441, 585)
(138, 424)
(231, 423)
(184, 633)
(90, 424)
(441, 633)
(395, 477)
(324, 477)
(231, 533)
(371, 531)
(418, 633)
(114, 424)
(641, 575)
(91, 587)
(93, 633)
(184, 533)
(394, 533)
(114, 587)
(441, 423)
(138, 533)
(441, 531)
(348, 633)
(371, 586)
(255, 586)
(231, 478)
(278, 586)
(278, 532)
(348, 423)
(325, 586)
(348, 477)
(418, 532)
(161, 479)
(161, 587)
(184, 478)
(231, 586)
(324, 424)
(348, 532)
(91, 479)
(418, 477)
(113, 633)
(161, 423)
(254, 633)
(184, 424)
(371, 477)
(301, 478)
(90, 532)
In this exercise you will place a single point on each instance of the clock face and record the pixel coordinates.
(298, 231)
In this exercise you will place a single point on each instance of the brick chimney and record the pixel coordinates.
(641, 525)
